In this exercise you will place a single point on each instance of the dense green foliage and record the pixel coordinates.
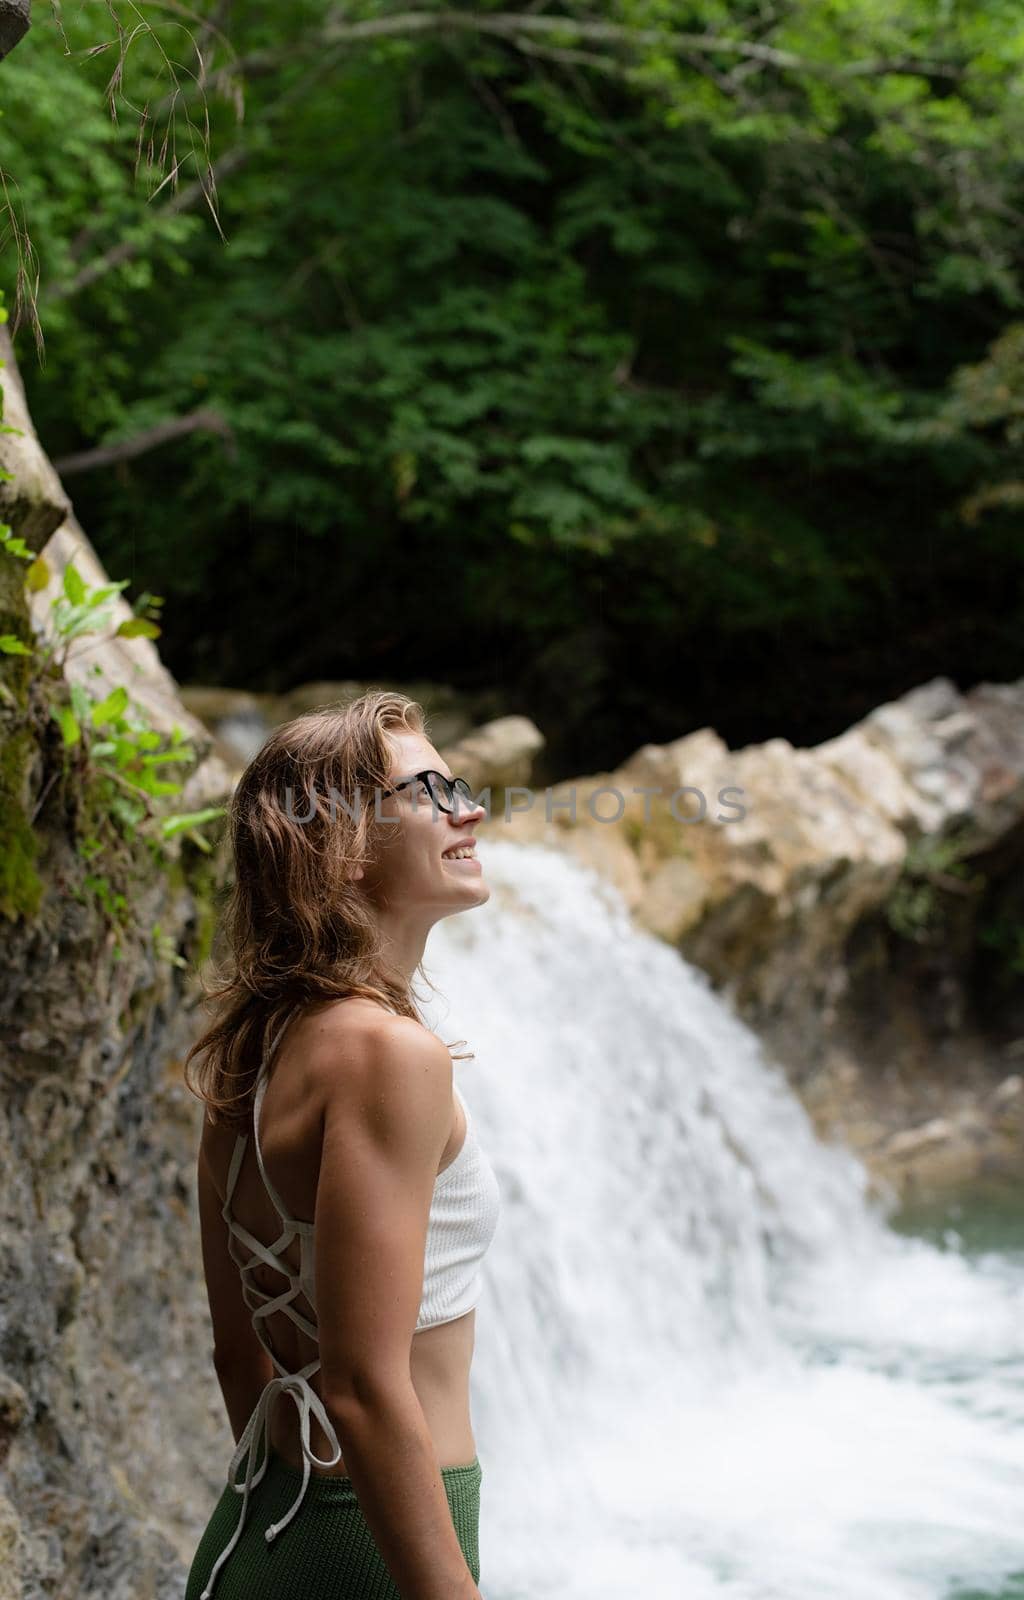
(659, 384)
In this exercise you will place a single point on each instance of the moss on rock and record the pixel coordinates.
(21, 887)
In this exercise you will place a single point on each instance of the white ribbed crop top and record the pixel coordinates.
(464, 1213)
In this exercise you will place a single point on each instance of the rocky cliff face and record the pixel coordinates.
(112, 1439)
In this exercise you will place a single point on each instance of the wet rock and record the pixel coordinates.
(498, 755)
(912, 1140)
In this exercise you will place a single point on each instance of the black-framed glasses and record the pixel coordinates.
(446, 793)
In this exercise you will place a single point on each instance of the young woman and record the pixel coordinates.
(345, 1202)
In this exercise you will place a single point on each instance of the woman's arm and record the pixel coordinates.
(387, 1118)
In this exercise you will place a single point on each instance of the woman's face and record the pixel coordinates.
(415, 871)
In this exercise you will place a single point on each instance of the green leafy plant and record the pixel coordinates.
(119, 743)
(123, 767)
(934, 871)
(77, 610)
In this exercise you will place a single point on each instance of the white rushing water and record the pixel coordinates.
(705, 1367)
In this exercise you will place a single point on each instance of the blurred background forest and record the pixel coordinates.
(655, 366)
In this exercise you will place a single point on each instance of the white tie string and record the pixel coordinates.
(297, 1386)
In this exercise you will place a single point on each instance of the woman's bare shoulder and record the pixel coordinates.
(351, 1038)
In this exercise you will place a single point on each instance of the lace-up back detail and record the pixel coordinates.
(300, 1284)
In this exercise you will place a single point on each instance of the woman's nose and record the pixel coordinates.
(469, 808)
(464, 809)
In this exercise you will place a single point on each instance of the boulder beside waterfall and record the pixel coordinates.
(860, 902)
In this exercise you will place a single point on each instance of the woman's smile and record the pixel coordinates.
(463, 856)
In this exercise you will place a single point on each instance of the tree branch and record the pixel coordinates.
(526, 31)
(106, 455)
(566, 31)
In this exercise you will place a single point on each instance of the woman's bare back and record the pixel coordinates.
(291, 1122)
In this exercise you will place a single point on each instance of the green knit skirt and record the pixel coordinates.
(327, 1551)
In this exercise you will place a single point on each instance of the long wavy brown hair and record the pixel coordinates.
(297, 929)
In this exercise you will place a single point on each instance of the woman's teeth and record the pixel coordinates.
(459, 855)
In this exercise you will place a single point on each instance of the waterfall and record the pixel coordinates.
(705, 1366)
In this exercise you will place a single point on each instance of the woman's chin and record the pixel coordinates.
(467, 875)
(475, 891)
